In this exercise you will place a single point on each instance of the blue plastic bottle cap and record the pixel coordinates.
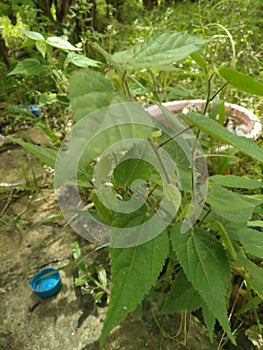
(46, 286)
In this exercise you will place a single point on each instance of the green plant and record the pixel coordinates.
(93, 279)
(191, 262)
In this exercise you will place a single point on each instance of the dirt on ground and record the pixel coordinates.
(71, 319)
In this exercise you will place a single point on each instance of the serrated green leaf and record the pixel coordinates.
(255, 274)
(134, 271)
(82, 61)
(241, 81)
(250, 239)
(183, 297)
(209, 320)
(211, 127)
(28, 66)
(206, 266)
(32, 35)
(230, 205)
(222, 199)
(131, 169)
(60, 43)
(46, 155)
(235, 181)
(158, 51)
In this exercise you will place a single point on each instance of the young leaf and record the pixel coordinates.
(41, 45)
(235, 181)
(206, 266)
(60, 43)
(28, 66)
(46, 155)
(32, 35)
(158, 51)
(219, 132)
(134, 271)
(77, 255)
(241, 81)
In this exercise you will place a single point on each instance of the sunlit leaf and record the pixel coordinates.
(32, 35)
(28, 66)
(158, 51)
(60, 43)
(82, 61)
(241, 81)
(211, 127)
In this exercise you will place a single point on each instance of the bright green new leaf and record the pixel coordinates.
(77, 255)
(82, 61)
(61, 43)
(219, 132)
(41, 45)
(207, 267)
(241, 81)
(235, 181)
(32, 35)
(172, 193)
(46, 155)
(28, 66)
(134, 271)
(255, 223)
(158, 51)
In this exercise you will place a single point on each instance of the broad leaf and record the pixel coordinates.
(241, 81)
(211, 127)
(250, 239)
(32, 35)
(46, 155)
(182, 297)
(254, 275)
(230, 205)
(158, 51)
(60, 43)
(206, 266)
(28, 66)
(82, 61)
(89, 91)
(134, 271)
(235, 181)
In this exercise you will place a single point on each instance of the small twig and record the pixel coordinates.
(9, 200)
